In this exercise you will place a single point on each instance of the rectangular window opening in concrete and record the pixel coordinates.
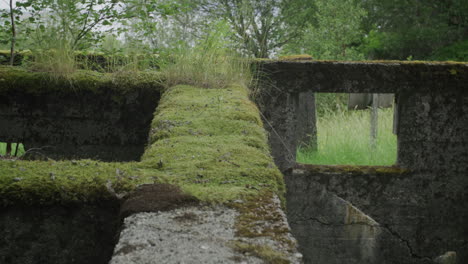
(345, 127)
(9, 149)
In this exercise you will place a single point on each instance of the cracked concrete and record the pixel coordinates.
(401, 229)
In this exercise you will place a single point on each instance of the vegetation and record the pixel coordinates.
(343, 138)
(327, 29)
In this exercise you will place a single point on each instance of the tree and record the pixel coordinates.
(336, 32)
(13, 35)
(414, 28)
(261, 27)
(72, 20)
(160, 24)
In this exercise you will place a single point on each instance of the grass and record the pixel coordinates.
(343, 138)
(13, 148)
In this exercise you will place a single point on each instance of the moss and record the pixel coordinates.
(351, 169)
(20, 79)
(266, 253)
(300, 57)
(211, 143)
(260, 217)
(47, 182)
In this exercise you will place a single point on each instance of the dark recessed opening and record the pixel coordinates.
(107, 125)
(345, 127)
(59, 234)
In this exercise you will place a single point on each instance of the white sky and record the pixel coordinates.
(4, 4)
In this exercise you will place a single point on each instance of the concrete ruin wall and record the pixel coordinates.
(205, 190)
(412, 213)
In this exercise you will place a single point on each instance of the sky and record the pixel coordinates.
(4, 4)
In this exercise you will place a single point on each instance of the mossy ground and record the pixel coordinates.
(210, 142)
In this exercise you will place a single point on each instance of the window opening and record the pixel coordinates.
(8, 150)
(344, 131)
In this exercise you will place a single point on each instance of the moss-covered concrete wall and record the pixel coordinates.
(210, 143)
(412, 213)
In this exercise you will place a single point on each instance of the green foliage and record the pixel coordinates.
(457, 51)
(336, 32)
(329, 103)
(404, 28)
(344, 139)
(74, 22)
(261, 27)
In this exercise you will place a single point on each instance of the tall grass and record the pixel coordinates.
(344, 138)
(210, 63)
(59, 62)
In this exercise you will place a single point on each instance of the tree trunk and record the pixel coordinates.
(13, 34)
(12, 56)
(374, 121)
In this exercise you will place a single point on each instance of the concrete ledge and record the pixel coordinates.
(366, 77)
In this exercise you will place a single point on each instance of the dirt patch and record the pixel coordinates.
(155, 198)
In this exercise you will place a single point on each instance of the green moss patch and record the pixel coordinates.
(211, 143)
(47, 182)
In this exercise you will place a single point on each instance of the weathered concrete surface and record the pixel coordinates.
(433, 132)
(290, 121)
(418, 216)
(104, 125)
(185, 235)
(164, 225)
(365, 77)
(196, 234)
(75, 234)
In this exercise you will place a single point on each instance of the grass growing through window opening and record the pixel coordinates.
(13, 149)
(343, 138)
